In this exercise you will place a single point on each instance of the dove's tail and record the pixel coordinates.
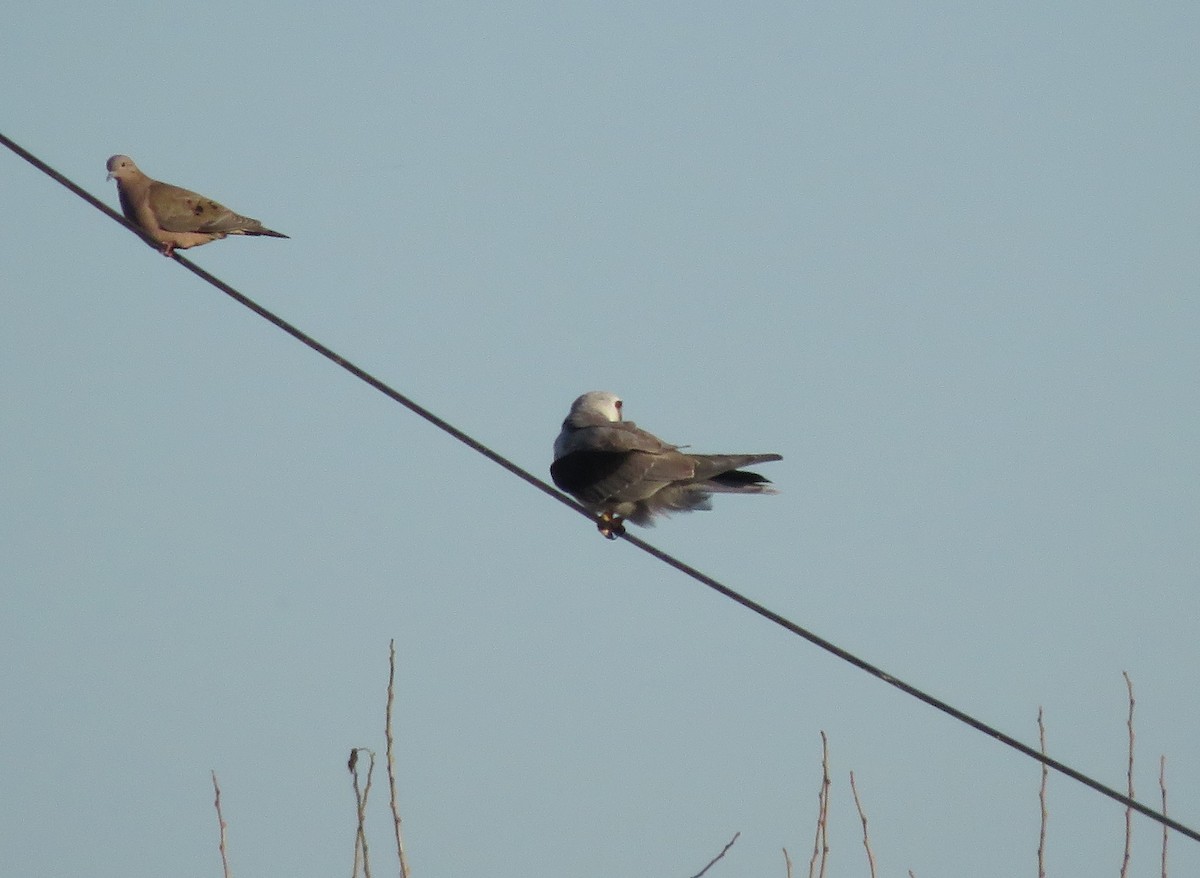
(263, 230)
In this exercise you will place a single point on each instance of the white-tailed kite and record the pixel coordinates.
(622, 472)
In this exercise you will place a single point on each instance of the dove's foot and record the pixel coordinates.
(168, 250)
(610, 526)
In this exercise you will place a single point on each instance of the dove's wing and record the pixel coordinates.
(180, 210)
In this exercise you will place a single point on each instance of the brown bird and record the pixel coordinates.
(620, 471)
(176, 218)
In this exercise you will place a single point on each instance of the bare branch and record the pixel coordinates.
(391, 760)
(1041, 852)
(221, 825)
(352, 767)
(1129, 778)
(863, 817)
(360, 800)
(821, 842)
(788, 861)
(724, 850)
(1162, 786)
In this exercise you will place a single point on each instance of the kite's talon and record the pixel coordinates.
(610, 526)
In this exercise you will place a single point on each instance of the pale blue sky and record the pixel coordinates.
(944, 260)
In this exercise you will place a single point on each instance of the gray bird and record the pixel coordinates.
(622, 472)
(176, 218)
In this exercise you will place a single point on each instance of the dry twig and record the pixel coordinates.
(1162, 786)
(221, 825)
(724, 850)
(863, 817)
(391, 760)
(788, 862)
(360, 800)
(821, 842)
(1129, 778)
(1041, 853)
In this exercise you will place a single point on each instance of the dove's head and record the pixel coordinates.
(598, 402)
(121, 167)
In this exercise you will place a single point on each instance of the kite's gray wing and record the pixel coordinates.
(723, 472)
(617, 463)
(618, 436)
(714, 474)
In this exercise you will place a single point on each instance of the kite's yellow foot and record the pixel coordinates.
(610, 525)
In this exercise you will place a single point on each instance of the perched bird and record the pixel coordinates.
(174, 217)
(622, 472)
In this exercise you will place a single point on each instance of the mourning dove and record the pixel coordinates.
(622, 472)
(175, 217)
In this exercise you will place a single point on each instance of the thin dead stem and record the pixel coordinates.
(788, 862)
(724, 851)
(821, 842)
(863, 817)
(391, 760)
(222, 825)
(360, 799)
(1162, 786)
(1041, 852)
(1129, 778)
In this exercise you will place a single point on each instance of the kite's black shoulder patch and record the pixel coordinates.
(579, 470)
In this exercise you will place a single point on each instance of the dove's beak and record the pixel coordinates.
(108, 177)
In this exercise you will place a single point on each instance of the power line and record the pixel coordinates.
(667, 559)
